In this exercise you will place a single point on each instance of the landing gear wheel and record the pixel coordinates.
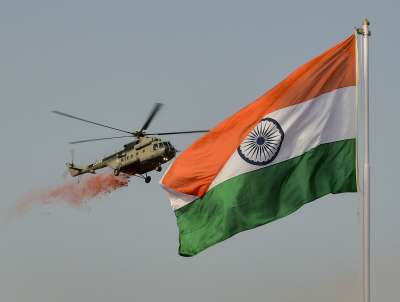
(147, 179)
(116, 172)
(158, 169)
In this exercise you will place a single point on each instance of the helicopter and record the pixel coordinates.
(137, 158)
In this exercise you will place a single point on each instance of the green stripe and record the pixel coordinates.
(259, 197)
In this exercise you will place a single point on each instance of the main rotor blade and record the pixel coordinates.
(156, 108)
(90, 122)
(98, 139)
(177, 132)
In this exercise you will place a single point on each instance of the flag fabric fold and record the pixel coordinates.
(292, 145)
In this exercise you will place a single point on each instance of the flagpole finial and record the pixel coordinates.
(364, 30)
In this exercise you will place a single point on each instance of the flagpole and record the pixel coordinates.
(364, 31)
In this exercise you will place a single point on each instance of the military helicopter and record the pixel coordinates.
(146, 153)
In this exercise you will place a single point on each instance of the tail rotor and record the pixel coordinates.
(72, 155)
(69, 164)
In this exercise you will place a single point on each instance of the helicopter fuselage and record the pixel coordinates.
(137, 158)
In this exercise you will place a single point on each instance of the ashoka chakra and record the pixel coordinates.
(262, 145)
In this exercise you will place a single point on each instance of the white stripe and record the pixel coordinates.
(178, 199)
(324, 119)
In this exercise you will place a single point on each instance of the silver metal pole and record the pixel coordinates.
(364, 31)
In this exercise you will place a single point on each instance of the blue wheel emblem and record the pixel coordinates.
(262, 144)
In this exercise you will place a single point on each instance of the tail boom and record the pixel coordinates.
(76, 170)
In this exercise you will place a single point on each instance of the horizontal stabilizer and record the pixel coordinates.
(75, 170)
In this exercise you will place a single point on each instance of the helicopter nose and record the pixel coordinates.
(171, 152)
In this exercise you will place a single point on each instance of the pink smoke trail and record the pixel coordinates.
(74, 193)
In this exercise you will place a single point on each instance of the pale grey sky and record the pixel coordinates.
(110, 61)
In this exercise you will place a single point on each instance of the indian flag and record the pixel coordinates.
(294, 144)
